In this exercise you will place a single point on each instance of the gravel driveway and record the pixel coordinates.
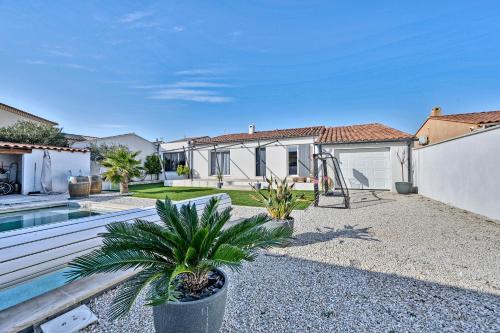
(391, 263)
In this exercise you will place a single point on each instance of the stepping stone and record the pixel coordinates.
(70, 322)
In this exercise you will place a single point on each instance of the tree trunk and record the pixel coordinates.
(124, 186)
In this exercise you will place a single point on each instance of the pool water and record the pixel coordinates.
(32, 288)
(41, 216)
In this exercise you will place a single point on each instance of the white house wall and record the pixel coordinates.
(394, 148)
(177, 146)
(463, 172)
(62, 163)
(242, 159)
(8, 118)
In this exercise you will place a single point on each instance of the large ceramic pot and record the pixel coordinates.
(278, 223)
(201, 316)
(404, 187)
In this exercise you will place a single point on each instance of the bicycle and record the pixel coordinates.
(6, 188)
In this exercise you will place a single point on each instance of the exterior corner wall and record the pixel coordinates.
(463, 172)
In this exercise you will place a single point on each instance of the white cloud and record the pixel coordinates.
(60, 53)
(194, 95)
(110, 125)
(207, 71)
(197, 84)
(178, 28)
(36, 62)
(135, 16)
(77, 66)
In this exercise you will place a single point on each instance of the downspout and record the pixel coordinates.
(191, 157)
(160, 156)
(410, 162)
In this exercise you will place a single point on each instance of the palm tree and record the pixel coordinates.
(121, 166)
(178, 253)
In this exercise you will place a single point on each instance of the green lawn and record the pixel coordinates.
(238, 197)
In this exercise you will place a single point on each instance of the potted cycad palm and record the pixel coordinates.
(403, 187)
(179, 261)
(279, 201)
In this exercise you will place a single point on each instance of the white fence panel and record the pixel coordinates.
(463, 172)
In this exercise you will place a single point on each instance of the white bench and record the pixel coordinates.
(30, 252)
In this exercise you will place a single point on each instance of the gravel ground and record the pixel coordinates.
(391, 263)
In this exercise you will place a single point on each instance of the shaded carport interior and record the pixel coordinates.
(29, 156)
(12, 154)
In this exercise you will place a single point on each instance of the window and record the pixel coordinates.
(173, 160)
(219, 161)
(260, 162)
(292, 161)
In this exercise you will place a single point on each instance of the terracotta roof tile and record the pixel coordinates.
(473, 118)
(362, 133)
(13, 145)
(14, 110)
(264, 135)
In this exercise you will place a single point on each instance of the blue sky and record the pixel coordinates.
(174, 68)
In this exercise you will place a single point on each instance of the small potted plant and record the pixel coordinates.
(179, 262)
(183, 170)
(279, 202)
(403, 187)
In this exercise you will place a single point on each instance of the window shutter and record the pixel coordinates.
(304, 160)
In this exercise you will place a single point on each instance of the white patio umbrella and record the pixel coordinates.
(46, 177)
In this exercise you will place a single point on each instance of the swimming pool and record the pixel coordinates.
(35, 217)
(32, 288)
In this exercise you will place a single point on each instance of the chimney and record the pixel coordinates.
(436, 111)
(251, 129)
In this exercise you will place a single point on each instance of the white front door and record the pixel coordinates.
(365, 168)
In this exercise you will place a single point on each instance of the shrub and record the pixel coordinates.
(152, 165)
(99, 152)
(183, 170)
(33, 133)
(277, 198)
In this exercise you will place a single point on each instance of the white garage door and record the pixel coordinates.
(365, 168)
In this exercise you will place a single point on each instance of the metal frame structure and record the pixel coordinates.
(339, 181)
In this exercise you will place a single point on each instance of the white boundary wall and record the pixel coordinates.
(463, 172)
(62, 163)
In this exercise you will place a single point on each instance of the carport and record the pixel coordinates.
(28, 158)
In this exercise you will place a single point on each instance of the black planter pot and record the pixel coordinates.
(258, 186)
(202, 316)
(404, 187)
(219, 184)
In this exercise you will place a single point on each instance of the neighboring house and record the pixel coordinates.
(133, 141)
(74, 138)
(10, 115)
(367, 154)
(439, 127)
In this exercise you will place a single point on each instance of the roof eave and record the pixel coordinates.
(366, 141)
